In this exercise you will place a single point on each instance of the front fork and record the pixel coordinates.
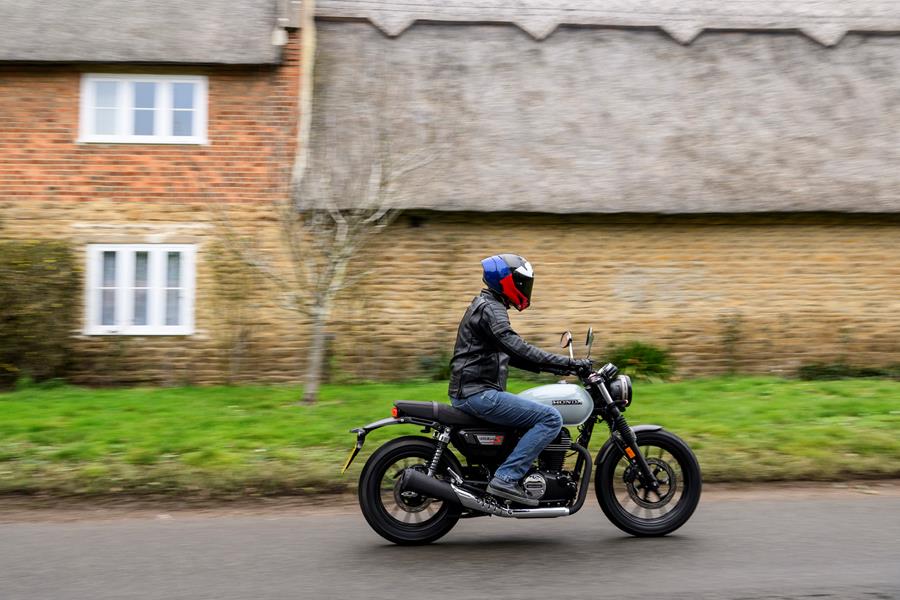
(625, 438)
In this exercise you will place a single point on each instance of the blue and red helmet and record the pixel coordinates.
(511, 276)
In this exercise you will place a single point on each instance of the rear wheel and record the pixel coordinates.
(405, 517)
(640, 511)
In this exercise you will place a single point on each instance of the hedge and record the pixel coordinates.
(39, 294)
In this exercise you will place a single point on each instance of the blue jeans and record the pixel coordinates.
(503, 408)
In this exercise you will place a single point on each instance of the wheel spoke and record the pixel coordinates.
(407, 509)
(636, 499)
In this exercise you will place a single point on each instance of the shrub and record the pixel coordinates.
(641, 360)
(829, 371)
(436, 367)
(39, 291)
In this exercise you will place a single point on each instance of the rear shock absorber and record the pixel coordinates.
(443, 439)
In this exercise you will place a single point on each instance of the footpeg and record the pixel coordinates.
(510, 491)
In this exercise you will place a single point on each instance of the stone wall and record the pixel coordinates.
(761, 294)
(240, 332)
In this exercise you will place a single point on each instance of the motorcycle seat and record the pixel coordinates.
(438, 411)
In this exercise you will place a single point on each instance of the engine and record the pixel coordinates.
(553, 457)
(550, 483)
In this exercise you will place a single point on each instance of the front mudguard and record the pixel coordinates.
(615, 441)
(362, 432)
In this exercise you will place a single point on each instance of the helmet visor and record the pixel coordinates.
(524, 283)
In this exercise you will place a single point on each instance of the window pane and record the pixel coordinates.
(183, 122)
(144, 95)
(143, 122)
(109, 269)
(173, 269)
(105, 93)
(182, 95)
(107, 307)
(105, 121)
(140, 307)
(140, 269)
(173, 307)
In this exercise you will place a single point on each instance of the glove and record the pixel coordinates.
(580, 365)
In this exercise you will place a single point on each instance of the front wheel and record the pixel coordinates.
(640, 511)
(405, 517)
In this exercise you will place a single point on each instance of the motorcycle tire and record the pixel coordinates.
(373, 489)
(684, 483)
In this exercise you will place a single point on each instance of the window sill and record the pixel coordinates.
(174, 331)
(145, 142)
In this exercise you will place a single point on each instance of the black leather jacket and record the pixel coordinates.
(486, 345)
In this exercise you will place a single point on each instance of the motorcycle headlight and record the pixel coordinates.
(620, 390)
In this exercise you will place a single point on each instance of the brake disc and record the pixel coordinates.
(665, 476)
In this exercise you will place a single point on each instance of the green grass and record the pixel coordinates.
(224, 441)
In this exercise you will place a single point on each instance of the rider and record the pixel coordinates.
(485, 345)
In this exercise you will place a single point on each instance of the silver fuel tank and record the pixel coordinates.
(572, 401)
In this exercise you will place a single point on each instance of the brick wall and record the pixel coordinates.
(251, 118)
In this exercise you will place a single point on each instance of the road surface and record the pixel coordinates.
(762, 545)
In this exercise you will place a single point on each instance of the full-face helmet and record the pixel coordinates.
(510, 276)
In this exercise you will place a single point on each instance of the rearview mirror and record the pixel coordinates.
(566, 342)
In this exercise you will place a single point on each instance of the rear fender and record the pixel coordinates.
(362, 432)
(614, 441)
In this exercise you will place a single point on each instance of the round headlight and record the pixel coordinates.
(620, 390)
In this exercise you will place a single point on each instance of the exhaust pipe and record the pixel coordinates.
(432, 487)
(416, 481)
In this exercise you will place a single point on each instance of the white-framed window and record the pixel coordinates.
(143, 109)
(140, 289)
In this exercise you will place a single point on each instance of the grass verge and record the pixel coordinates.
(228, 441)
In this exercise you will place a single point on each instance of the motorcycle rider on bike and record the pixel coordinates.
(485, 345)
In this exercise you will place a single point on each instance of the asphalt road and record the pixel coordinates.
(757, 546)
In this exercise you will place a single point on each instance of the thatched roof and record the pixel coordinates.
(618, 120)
(243, 31)
(140, 31)
(826, 21)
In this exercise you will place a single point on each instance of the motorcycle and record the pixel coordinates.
(414, 489)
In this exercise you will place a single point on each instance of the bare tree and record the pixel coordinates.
(324, 226)
(333, 213)
(334, 209)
